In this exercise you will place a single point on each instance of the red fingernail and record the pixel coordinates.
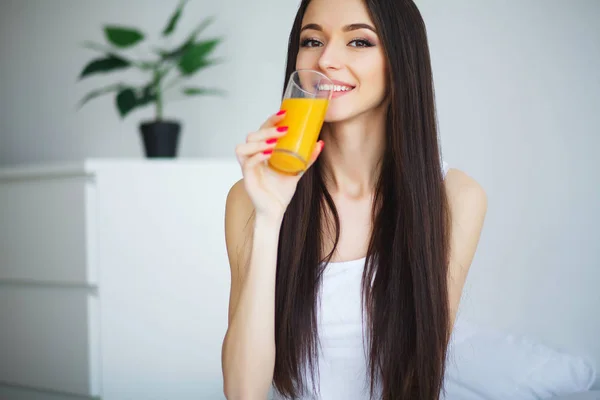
(267, 152)
(281, 112)
(322, 144)
(271, 141)
(282, 129)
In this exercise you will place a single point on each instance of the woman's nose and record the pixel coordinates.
(331, 58)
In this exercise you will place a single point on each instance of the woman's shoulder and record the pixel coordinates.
(238, 206)
(237, 196)
(459, 180)
(464, 191)
(239, 212)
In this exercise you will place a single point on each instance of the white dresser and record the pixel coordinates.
(114, 279)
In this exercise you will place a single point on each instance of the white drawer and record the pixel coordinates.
(49, 338)
(45, 228)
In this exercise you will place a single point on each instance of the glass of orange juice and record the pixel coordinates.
(305, 101)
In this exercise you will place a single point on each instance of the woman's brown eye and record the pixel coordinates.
(362, 43)
(310, 43)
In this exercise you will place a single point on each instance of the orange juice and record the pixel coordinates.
(304, 117)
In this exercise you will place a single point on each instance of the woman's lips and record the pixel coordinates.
(339, 89)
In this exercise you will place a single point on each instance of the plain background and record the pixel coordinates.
(518, 96)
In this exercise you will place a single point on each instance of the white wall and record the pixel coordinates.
(41, 58)
(518, 91)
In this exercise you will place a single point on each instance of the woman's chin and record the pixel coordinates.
(334, 117)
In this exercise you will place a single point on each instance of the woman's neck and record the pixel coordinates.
(353, 151)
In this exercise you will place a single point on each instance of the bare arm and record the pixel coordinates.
(253, 216)
(468, 207)
(248, 355)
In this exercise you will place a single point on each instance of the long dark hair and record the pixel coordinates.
(404, 283)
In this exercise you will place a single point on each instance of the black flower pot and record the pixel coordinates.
(161, 138)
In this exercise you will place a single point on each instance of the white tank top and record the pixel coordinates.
(342, 356)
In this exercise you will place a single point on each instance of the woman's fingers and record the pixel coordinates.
(267, 134)
(245, 150)
(273, 120)
(256, 159)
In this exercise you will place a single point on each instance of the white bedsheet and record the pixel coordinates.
(593, 395)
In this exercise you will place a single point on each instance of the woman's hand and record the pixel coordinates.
(269, 190)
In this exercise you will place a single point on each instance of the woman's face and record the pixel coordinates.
(338, 38)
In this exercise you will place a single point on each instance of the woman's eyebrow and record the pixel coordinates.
(347, 28)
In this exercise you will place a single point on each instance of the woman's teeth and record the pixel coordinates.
(336, 88)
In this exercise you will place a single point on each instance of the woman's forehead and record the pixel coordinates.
(335, 14)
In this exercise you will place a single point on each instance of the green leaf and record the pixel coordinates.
(126, 101)
(147, 65)
(129, 98)
(97, 93)
(105, 64)
(174, 19)
(148, 95)
(123, 37)
(194, 58)
(179, 51)
(143, 65)
(196, 91)
(97, 47)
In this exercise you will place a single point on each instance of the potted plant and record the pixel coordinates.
(166, 68)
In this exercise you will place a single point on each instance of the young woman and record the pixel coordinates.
(345, 280)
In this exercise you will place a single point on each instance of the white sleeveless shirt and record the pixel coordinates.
(343, 356)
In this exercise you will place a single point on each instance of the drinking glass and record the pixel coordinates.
(305, 101)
